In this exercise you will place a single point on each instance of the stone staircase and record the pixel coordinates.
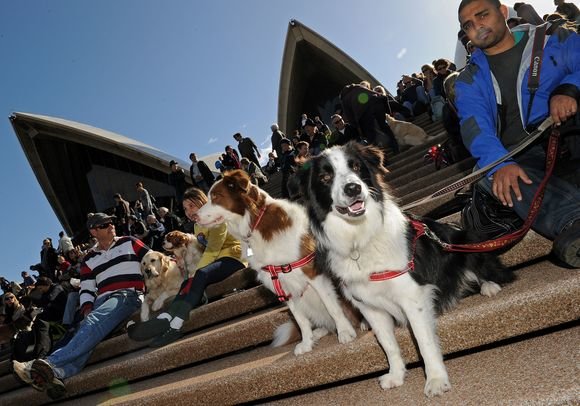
(519, 347)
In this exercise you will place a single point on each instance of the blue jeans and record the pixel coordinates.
(561, 204)
(107, 314)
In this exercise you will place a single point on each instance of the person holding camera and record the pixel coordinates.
(498, 108)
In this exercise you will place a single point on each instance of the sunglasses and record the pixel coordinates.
(9, 299)
(104, 226)
(336, 122)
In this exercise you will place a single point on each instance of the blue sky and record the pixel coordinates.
(178, 75)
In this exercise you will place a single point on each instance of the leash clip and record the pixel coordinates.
(434, 237)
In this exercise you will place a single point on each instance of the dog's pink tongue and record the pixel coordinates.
(356, 206)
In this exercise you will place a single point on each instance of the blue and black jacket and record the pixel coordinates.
(478, 95)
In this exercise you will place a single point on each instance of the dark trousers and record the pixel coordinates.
(191, 291)
(377, 132)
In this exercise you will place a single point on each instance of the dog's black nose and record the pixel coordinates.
(352, 189)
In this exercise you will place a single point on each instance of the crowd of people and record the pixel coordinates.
(84, 292)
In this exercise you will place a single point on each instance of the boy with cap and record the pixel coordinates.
(108, 297)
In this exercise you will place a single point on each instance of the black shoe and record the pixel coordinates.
(567, 245)
(43, 378)
(147, 329)
(56, 389)
(168, 337)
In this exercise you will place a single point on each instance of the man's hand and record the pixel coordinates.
(562, 108)
(505, 179)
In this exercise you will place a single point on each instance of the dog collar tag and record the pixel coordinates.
(249, 252)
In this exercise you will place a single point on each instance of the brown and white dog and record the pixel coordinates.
(186, 249)
(281, 250)
(407, 133)
(162, 279)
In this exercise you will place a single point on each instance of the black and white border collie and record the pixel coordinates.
(384, 267)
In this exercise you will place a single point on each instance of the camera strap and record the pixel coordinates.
(535, 66)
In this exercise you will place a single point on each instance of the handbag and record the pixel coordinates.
(486, 215)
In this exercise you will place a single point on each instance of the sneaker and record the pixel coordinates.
(41, 372)
(567, 245)
(22, 372)
(147, 329)
(168, 337)
(55, 389)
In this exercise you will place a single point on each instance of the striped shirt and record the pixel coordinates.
(118, 267)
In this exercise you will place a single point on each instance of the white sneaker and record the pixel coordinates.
(22, 371)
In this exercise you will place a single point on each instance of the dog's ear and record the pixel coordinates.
(371, 155)
(165, 263)
(170, 237)
(237, 180)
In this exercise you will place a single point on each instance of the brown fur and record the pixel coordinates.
(227, 194)
(186, 249)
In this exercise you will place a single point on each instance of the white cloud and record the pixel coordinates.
(401, 53)
(212, 140)
(264, 159)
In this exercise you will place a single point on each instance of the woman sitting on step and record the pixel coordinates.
(221, 258)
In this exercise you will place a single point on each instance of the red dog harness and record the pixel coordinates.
(274, 270)
(388, 274)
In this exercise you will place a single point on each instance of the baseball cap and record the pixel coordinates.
(97, 219)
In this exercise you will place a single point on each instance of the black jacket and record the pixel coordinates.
(53, 303)
(205, 173)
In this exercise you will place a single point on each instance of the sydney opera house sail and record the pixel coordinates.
(314, 71)
(80, 167)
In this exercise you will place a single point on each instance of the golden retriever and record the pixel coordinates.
(163, 279)
(407, 133)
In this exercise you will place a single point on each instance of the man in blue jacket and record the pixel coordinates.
(497, 111)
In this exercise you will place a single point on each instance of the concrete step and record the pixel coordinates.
(409, 195)
(416, 179)
(539, 371)
(415, 153)
(544, 296)
(417, 150)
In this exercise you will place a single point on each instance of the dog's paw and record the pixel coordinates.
(156, 306)
(364, 326)
(346, 335)
(437, 386)
(303, 348)
(318, 333)
(490, 289)
(392, 379)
